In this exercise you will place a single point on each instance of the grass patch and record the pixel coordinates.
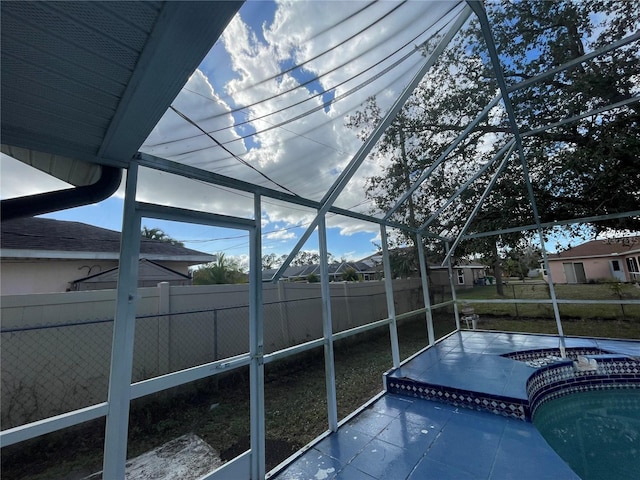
(540, 290)
(577, 327)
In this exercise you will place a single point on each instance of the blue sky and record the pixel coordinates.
(254, 32)
(306, 155)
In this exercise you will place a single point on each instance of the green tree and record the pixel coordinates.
(158, 234)
(222, 271)
(350, 275)
(270, 261)
(585, 168)
(313, 278)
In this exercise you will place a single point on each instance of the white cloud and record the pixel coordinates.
(281, 234)
(307, 155)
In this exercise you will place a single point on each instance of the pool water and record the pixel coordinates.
(597, 432)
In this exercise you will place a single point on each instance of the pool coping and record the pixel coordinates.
(529, 440)
(546, 380)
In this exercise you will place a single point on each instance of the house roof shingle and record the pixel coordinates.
(598, 248)
(44, 234)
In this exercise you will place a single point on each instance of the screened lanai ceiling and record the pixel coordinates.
(429, 107)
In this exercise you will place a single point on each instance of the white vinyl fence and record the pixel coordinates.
(56, 348)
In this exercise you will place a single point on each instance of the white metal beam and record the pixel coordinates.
(443, 156)
(391, 308)
(327, 330)
(481, 13)
(454, 296)
(425, 289)
(256, 348)
(124, 328)
(478, 205)
(465, 185)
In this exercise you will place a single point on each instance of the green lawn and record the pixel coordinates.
(540, 290)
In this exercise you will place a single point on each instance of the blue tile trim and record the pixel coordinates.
(550, 381)
(554, 381)
(498, 404)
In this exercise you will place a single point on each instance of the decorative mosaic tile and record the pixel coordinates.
(506, 406)
(548, 382)
(545, 356)
(559, 380)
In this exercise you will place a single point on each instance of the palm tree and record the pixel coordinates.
(158, 234)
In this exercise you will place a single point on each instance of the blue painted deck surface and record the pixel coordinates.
(400, 437)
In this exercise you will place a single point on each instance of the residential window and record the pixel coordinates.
(460, 276)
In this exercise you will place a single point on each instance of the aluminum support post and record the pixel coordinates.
(391, 308)
(124, 327)
(425, 289)
(481, 13)
(327, 330)
(256, 348)
(454, 296)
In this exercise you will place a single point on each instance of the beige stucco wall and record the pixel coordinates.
(594, 268)
(53, 276)
(46, 276)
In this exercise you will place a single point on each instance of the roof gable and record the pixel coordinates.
(44, 234)
(147, 270)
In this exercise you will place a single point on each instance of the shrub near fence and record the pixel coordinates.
(56, 348)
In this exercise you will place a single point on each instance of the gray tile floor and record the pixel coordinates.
(399, 437)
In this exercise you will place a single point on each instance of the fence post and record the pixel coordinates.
(164, 327)
(215, 335)
(284, 320)
(346, 289)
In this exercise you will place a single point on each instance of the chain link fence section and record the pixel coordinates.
(176, 341)
(53, 369)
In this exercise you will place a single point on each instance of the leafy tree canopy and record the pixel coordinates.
(222, 271)
(303, 257)
(587, 167)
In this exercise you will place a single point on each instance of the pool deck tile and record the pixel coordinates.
(398, 437)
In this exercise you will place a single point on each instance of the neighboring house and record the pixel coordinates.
(465, 273)
(608, 259)
(336, 272)
(41, 255)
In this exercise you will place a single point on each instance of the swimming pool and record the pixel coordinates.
(596, 432)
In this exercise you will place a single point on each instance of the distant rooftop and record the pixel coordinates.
(607, 246)
(46, 235)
